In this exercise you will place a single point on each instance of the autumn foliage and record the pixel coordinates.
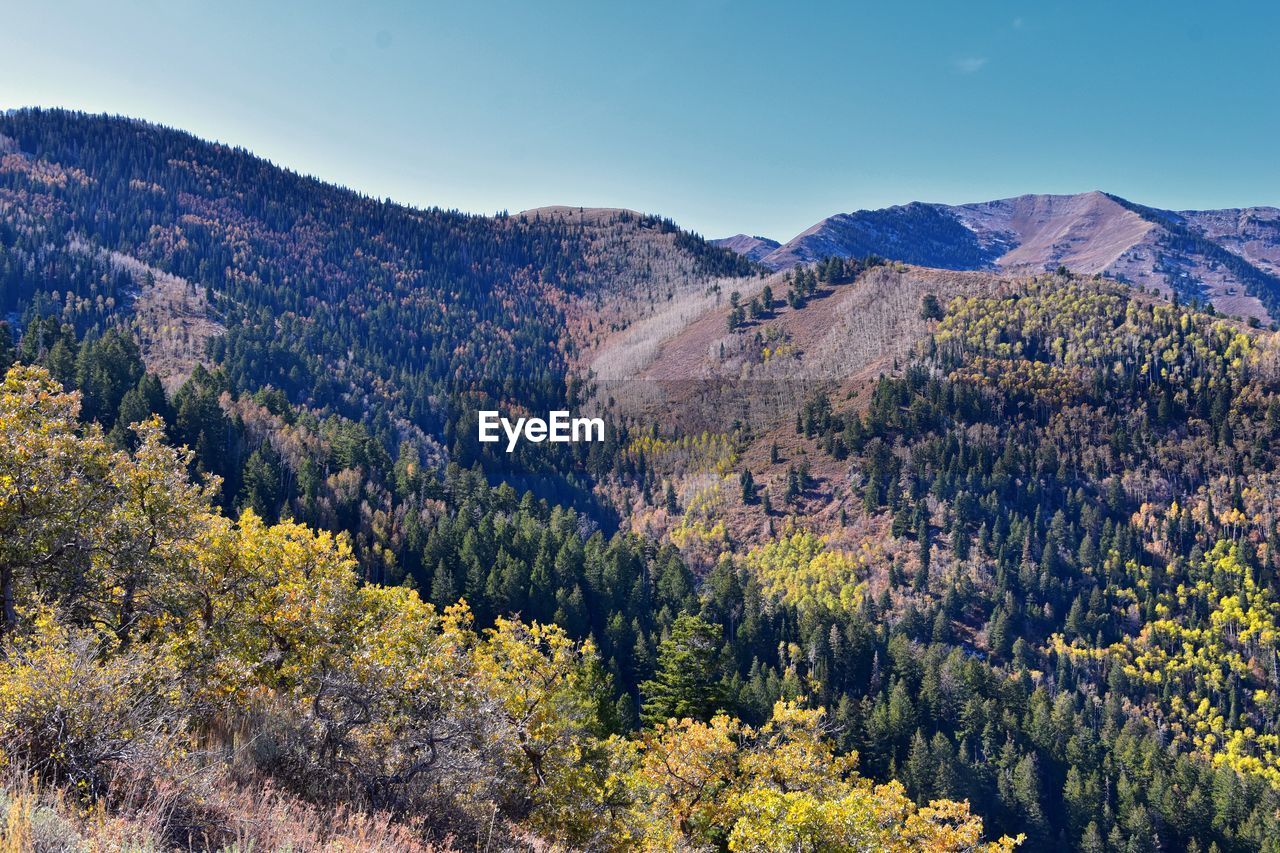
(149, 639)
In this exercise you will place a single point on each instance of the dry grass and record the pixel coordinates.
(207, 812)
(628, 353)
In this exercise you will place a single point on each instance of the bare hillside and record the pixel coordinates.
(727, 399)
(1085, 232)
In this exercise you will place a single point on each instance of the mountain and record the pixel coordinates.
(1006, 535)
(1230, 258)
(916, 233)
(339, 300)
(1253, 233)
(754, 248)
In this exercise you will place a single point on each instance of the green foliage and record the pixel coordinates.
(686, 683)
(174, 621)
(805, 573)
(1049, 594)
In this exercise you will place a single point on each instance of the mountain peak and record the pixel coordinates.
(1230, 258)
(752, 247)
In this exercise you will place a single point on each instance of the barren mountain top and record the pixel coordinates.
(1085, 232)
(755, 248)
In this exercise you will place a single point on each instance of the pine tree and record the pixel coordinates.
(7, 352)
(917, 770)
(443, 590)
(930, 308)
(688, 678)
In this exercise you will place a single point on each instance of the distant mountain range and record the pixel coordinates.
(1230, 258)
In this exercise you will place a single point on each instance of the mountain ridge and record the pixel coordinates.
(1029, 513)
(1229, 258)
(754, 247)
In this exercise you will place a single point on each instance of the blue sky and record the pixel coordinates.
(727, 116)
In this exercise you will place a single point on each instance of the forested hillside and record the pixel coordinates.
(344, 303)
(948, 558)
(220, 684)
(391, 321)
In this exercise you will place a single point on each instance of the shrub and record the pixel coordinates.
(70, 715)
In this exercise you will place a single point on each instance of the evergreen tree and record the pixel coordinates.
(930, 308)
(688, 678)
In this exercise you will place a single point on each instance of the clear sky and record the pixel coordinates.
(727, 116)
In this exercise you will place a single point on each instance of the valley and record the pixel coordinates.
(953, 524)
